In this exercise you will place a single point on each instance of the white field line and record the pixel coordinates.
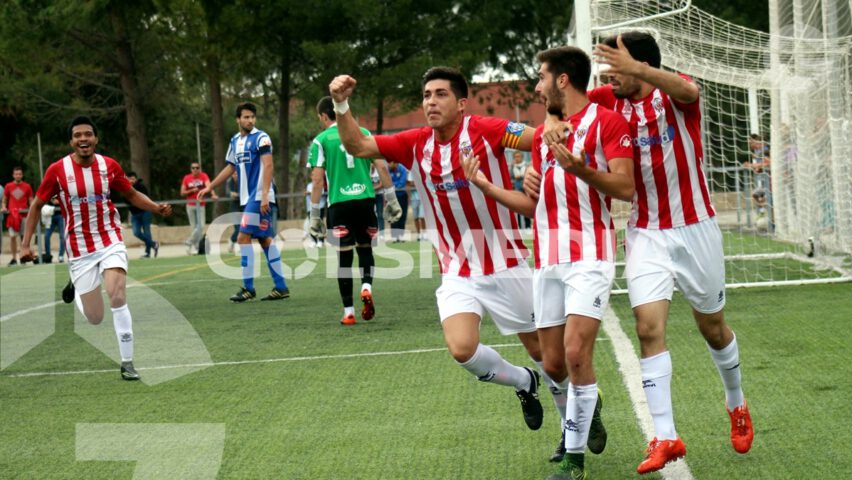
(256, 362)
(631, 374)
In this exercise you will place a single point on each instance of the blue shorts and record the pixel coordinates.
(257, 224)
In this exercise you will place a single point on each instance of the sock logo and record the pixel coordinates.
(648, 384)
(571, 426)
(126, 337)
(487, 377)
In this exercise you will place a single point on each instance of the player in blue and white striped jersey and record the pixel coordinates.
(250, 155)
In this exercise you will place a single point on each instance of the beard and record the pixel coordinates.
(555, 101)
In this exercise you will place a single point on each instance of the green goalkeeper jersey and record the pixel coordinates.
(348, 177)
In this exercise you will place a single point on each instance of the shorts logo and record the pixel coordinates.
(721, 296)
(264, 224)
(340, 232)
(597, 302)
(372, 232)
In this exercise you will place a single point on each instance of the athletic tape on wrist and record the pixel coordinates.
(342, 107)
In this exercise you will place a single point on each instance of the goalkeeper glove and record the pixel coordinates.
(392, 211)
(317, 228)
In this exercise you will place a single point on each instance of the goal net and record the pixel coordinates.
(783, 98)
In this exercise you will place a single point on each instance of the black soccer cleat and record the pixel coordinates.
(68, 292)
(128, 372)
(277, 294)
(530, 405)
(559, 453)
(243, 295)
(597, 432)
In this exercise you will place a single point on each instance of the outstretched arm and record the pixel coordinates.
(354, 141)
(620, 61)
(140, 200)
(220, 179)
(511, 199)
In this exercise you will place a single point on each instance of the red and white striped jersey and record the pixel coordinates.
(91, 220)
(572, 219)
(671, 190)
(471, 234)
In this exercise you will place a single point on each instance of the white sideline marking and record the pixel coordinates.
(631, 373)
(18, 313)
(260, 361)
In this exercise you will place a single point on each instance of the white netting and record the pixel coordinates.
(794, 88)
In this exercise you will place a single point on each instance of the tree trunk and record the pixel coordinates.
(136, 134)
(380, 114)
(283, 166)
(217, 124)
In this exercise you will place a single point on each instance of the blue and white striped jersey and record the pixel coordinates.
(244, 154)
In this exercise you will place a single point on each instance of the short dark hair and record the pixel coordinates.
(81, 120)
(756, 137)
(246, 106)
(568, 60)
(130, 174)
(458, 84)
(326, 106)
(17, 167)
(641, 45)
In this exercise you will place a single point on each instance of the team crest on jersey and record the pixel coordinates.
(581, 132)
(70, 178)
(465, 148)
(657, 103)
(515, 128)
(625, 141)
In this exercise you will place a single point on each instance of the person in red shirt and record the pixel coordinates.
(192, 183)
(16, 197)
(83, 181)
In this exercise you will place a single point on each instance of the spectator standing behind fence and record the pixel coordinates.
(519, 166)
(399, 176)
(16, 196)
(51, 217)
(140, 219)
(192, 183)
(759, 165)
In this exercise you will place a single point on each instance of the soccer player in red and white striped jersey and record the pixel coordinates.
(672, 235)
(83, 181)
(574, 239)
(479, 249)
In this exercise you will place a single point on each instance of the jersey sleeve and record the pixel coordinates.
(49, 186)
(535, 161)
(264, 144)
(603, 96)
(616, 141)
(316, 155)
(398, 147)
(230, 155)
(118, 180)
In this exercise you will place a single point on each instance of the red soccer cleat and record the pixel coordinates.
(368, 311)
(742, 433)
(661, 452)
(348, 320)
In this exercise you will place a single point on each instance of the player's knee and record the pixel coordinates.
(650, 331)
(461, 352)
(95, 318)
(554, 367)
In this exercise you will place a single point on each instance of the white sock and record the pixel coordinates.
(367, 287)
(557, 390)
(727, 361)
(348, 311)
(123, 331)
(657, 383)
(489, 366)
(579, 410)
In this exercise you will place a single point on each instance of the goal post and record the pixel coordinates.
(792, 88)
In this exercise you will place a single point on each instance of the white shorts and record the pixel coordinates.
(506, 295)
(691, 258)
(578, 288)
(87, 272)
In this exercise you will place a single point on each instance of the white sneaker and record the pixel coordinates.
(188, 248)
